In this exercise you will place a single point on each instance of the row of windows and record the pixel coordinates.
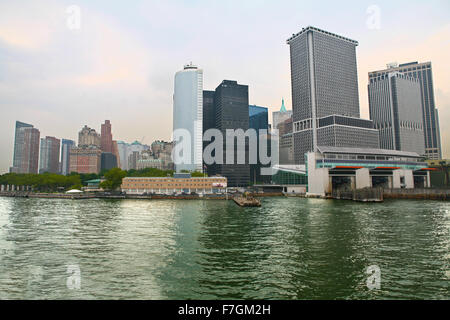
(173, 180)
(303, 125)
(410, 125)
(368, 157)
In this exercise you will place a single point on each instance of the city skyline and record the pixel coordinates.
(133, 87)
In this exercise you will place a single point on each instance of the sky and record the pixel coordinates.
(116, 60)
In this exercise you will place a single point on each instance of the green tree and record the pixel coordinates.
(198, 174)
(113, 179)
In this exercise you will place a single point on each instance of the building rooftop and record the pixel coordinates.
(311, 28)
(392, 67)
(190, 66)
(324, 149)
(150, 178)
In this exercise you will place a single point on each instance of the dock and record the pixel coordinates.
(247, 202)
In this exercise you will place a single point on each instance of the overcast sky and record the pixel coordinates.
(120, 64)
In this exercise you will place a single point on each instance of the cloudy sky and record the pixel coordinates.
(120, 63)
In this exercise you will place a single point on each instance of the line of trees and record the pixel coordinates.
(50, 182)
(47, 182)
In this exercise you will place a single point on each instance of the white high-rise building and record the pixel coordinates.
(188, 115)
(126, 149)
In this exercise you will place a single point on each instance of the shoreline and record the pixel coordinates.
(32, 195)
(388, 194)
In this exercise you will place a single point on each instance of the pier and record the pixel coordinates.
(247, 201)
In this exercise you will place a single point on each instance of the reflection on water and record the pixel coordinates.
(162, 249)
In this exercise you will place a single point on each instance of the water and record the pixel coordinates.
(291, 248)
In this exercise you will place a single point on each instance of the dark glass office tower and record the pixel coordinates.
(325, 99)
(422, 72)
(209, 122)
(209, 117)
(66, 146)
(231, 111)
(259, 120)
(108, 161)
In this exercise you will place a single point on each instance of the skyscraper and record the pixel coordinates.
(259, 121)
(325, 98)
(395, 108)
(66, 146)
(209, 116)
(124, 151)
(232, 112)
(106, 142)
(115, 151)
(26, 149)
(88, 137)
(108, 161)
(49, 155)
(258, 117)
(430, 117)
(86, 158)
(188, 115)
(209, 122)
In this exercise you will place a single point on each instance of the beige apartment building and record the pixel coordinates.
(170, 185)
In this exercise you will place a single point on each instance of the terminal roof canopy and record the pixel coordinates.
(325, 149)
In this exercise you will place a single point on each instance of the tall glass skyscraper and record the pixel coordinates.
(422, 72)
(66, 146)
(49, 155)
(227, 108)
(258, 117)
(188, 115)
(325, 99)
(26, 149)
(259, 120)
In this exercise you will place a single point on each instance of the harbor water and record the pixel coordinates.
(290, 248)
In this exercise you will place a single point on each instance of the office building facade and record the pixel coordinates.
(430, 118)
(259, 121)
(395, 108)
(125, 149)
(174, 185)
(85, 159)
(49, 155)
(231, 111)
(188, 115)
(108, 161)
(66, 146)
(88, 137)
(209, 115)
(325, 98)
(106, 141)
(26, 149)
